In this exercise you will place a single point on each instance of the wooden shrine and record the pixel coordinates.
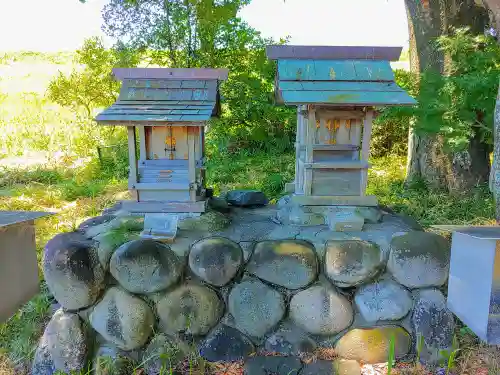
(335, 90)
(169, 108)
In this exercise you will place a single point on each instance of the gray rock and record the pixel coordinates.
(338, 367)
(123, 319)
(419, 259)
(145, 266)
(255, 307)
(289, 340)
(383, 300)
(401, 219)
(163, 354)
(108, 242)
(321, 310)
(72, 270)
(303, 216)
(288, 263)
(96, 225)
(434, 326)
(284, 201)
(246, 198)
(67, 342)
(272, 365)
(109, 360)
(191, 309)
(226, 344)
(211, 221)
(215, 260)
(219, 204)
(373, 345)
(351, 263)
(42, 362)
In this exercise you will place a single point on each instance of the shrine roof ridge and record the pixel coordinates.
(277, 52)
(171, 73)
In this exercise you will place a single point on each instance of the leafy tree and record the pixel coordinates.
(208, 33)
(457, 107)
(94, 86)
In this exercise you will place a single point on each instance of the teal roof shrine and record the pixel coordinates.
(337, 76)
(158, 95)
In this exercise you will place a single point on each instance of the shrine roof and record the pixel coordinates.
(161, 96)
(337, 76)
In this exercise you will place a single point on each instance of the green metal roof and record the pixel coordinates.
(332, 78)
(164, 95)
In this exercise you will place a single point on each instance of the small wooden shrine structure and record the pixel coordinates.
(170, 108)
(336, 90)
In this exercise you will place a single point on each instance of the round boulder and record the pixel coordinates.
(352, 262)
(163, 354)
(288, 263)
(109, 360)
(145, 266)
(246, 198)
(192, 309)
(108, 242)
(434, 323)
(123, 319)
(215, 260)
(66, 341)
(42, 362)
(289, 340)
(72, 270)
(373, 345)
(255, 307)
(226, 344)
(384, 300)
(321, 310)
(419, 259)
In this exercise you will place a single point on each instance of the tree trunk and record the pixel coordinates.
(427, 159)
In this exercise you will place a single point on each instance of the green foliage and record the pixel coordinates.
(458, 104)
(390, 128)
(93, 87)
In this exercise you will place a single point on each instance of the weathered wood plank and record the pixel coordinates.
(166, 73)
(124, 105)
(152, 118)
(275, 52)
(336, 147)
(302, 200)
(355, 134)
(365, 147)
(192, 163)
(334, 70)
(337, 86)
(142, 143)
(339, 182)
(132, 176)
(342, 98)
(165, 102)
(171, 94)
(141, 111)
(343, 132)
(160, 186)
(340, 164)
(144, 207)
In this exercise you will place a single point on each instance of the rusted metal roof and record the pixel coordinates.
(337, 76)
(158, 95)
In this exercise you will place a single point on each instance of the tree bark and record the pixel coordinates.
(427, 159)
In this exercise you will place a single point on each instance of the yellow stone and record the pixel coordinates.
(372, 345)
